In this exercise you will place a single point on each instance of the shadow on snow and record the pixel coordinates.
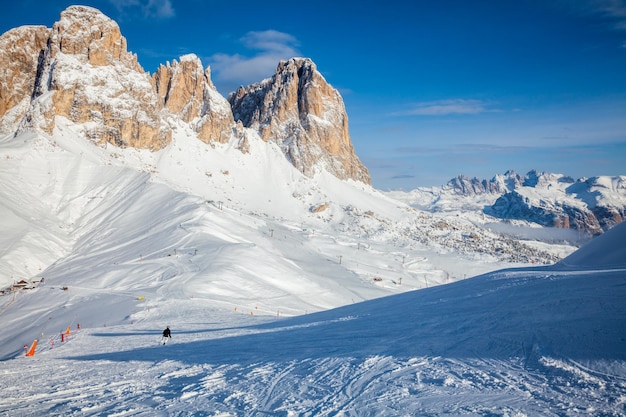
(506, 314)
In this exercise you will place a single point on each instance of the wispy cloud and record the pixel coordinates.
(612, 9)
(270, 41)
(612, 12)
(447, 107)
(159, 9)
(267, 49)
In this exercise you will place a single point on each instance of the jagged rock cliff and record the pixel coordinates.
(186, 90)
(20, 52)
(81, 69)
(302, 113)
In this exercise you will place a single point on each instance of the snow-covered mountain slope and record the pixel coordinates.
(521, 342)
(286, 294)
(210, 222)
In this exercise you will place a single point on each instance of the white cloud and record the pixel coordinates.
(268, 48)
(271, 41)
(446, 107)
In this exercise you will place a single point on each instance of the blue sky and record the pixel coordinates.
(433, 89)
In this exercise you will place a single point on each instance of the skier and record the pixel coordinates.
(166, 334)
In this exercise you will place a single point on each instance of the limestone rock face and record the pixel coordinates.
(20, 51)
(88, 76)
(180, 87)
(186, 90)
(301, 112)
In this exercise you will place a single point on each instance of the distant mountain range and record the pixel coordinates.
(588, 205)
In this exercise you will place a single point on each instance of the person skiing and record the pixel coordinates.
(166, 334)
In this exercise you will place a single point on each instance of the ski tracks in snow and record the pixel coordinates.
(330, 385)
(334, 386)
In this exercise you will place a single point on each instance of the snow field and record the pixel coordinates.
(359, 310)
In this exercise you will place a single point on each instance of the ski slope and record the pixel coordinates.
(276, 308)
(540, 341)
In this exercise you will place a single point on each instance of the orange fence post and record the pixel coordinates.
(31, 351)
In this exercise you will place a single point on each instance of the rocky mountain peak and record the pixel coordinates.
(87, 34)
(303, 114)
(186, 90)
(499, 184)
(540, 179)
(86, 75)
(180, 86)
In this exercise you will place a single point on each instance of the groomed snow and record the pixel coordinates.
(276, 309)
